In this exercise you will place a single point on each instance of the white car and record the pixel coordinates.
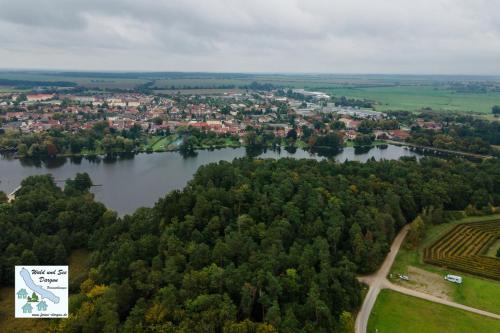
(404, 277)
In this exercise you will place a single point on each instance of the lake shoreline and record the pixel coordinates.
(140, 179)
(14, 154)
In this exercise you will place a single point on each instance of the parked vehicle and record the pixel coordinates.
(453, 278)
(404, 277)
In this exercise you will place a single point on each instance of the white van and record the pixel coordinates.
(453, 278)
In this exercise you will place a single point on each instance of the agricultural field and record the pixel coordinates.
(413, 97)
(8, 90)
(475, 291)
(463, 249)
(81, 80)
(394, 312)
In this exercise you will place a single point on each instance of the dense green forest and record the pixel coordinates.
(249, 246)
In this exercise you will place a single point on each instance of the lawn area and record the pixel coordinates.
(394, 313)
(475, 291)
(232, 143)
(160, 143)
(300, 144)
(413, 97)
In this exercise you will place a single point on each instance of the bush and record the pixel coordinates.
(453, 215)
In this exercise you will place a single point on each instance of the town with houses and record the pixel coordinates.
(229, 114)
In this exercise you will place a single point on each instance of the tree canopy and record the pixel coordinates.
(249, 246)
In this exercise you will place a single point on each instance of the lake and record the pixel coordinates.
(140, 180)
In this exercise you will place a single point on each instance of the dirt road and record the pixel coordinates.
(377, 281)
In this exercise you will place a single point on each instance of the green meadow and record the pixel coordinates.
(416, 97)
(395, 313)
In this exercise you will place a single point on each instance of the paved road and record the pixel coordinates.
(378, 281)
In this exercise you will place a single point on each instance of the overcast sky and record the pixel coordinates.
(328, 36)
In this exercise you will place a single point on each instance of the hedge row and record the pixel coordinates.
(462, 246)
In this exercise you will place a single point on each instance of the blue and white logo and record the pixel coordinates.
(41, 291)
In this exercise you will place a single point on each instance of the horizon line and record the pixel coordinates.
(113, 71)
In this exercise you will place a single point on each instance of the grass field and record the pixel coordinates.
(161, 143)
(396, 313)
(411, 98)
(475, 291)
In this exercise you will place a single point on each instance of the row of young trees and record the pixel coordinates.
(248, 246)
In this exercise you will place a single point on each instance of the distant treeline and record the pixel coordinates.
(475, 87)
(196, 87)
(30, 84)
(344, 101)
(252, 86)
(151, 75)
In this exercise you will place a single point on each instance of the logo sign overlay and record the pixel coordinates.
(41, 291)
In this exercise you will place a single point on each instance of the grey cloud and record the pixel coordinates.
(445, 36)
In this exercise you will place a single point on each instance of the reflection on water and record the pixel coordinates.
(131, 181)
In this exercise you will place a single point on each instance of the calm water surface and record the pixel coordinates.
(129, 183)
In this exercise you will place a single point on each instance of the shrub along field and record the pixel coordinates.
(474, 291)
(395, 312)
